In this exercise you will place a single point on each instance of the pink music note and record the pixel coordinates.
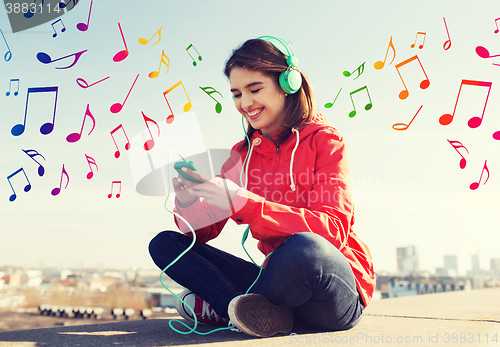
(423, 85)
(456, 145)
(475, 185)
(119, 185)
(155, 74)
(32, 154)
(76, 136)
(143, 41)
(56, 191)
(416, 37)
(91, 160)
(46, 59)
(26, 188)
(496, 135)
(62, 30)
(496, 20)
(447, 44)
(484, 53)
(149, 144)
(403, 126)
(82, 83)
(115, 108)
(127, 145)
(83, 26)
(187, 106)
(474, 122)
(380, 64)
(122, 54)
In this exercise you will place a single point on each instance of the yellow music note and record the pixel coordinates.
(143, 41)
(155, 74)
(187, 106)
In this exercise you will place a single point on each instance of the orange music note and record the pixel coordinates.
(416, 37)
(403, 126)
(76, 136)
(423, 85)
(91, 160)
(122, 54)
(115, 108)
(56, 191)
(155, 74)
(46, 59)
(447, 44)
(211, 90)
(187, 106)
(475, 185)
(143, 41)
(32, 154)
(368, 105)
(474, 122)
(457, 145)
(496, 20)
(380, 64)
(26, 188)
(127, 145)
(119, 185)
(199, 55)
(149, 144)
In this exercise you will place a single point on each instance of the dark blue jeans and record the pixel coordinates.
(305, 272)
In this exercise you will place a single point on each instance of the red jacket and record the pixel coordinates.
(320, 202)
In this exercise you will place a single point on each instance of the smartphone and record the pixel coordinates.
(190, 165)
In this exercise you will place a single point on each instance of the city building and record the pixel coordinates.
(407, 260)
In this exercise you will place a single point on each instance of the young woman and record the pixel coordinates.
(296, 197)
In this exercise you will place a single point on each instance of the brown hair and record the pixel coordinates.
(257, 54)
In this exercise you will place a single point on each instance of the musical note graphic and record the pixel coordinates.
(115, 108)
(149, 144)
(474, 122)
(484, 53)
(82, 83)
(26, 188)
(91, 160)
(127, 145)
(475, 185)
(496, 20)
(330, 104)
(63, 5)
(33, 153)
(211, 90)
(416, 37)
(199, 55)
(56, 191)
(403, 126)
(46, 128)
(83, 26)
(187, 106)
(31, 12)
(74, 137)
(10, 85)
(423, 85)
(46, 59)
(380, 64)
(368, 105)
(360, 70)
(155, 74)
(456, 145)
(9, 52)
(143, 41)
(496, 135)
(119, 185)
(447, 44)
(122, 54)
(62, 30)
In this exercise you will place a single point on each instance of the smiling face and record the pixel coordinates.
(259, 99)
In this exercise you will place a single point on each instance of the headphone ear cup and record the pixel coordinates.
(290, 81)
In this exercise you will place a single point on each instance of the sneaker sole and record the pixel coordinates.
(254, 315)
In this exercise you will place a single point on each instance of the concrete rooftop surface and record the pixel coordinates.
(461, 318)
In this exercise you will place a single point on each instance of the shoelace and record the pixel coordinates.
(208, 312)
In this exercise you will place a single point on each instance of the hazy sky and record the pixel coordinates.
(408, 186)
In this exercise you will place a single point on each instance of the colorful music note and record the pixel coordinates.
(115, 108)
(143, 41)
(10, 85)
(211, 90)
(26, 188)
(496, 20)
(83, 26)
(484, 53)
(46, 128)
(368, 105)
(187, 106)
(32, 153)
(199, 55)
(63, 5)
(149, 144)
(496, 135)
(62, 30)
(31, 12)
(360, 70)
(56, 191)
(474, 122)
(380, 64)
(122, 54)
(119, 185)
(447, 44)
(475, 185)
(403, 126)
(155, 74)
(9, 52)
(46, 59)
(127, 145)
(91, 160)
(73, 137)
(456, 145)
(423, 85)
(416, 37)
(82, 83)
(330, 104)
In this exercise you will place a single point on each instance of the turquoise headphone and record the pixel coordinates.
(290, 80)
